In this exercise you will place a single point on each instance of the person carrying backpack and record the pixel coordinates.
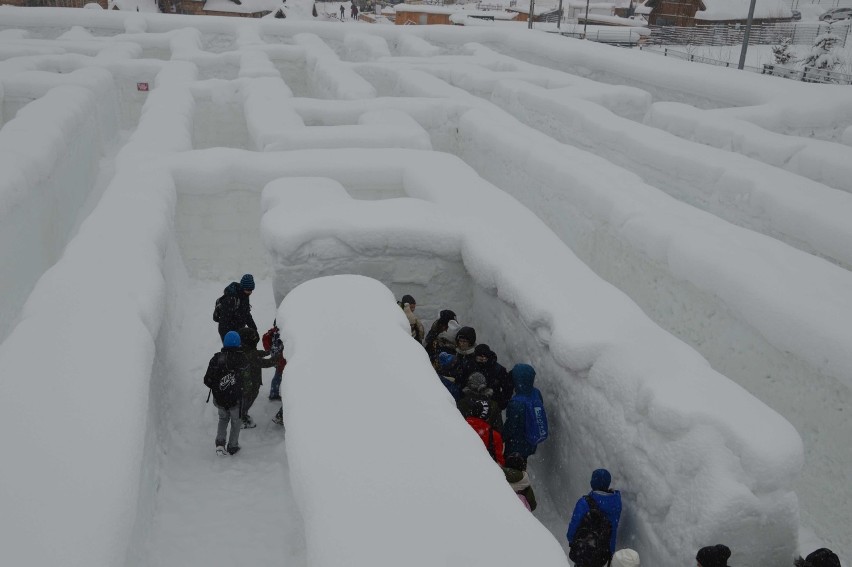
(254, 379)
(594, 523)
(226, 372)
(272, 342)
(233, 309)
(478, 401)
(526, 420)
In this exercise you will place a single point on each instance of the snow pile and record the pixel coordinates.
(617, 400)
(401, 478)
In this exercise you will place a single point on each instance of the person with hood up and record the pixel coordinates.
(478, 401)
(495, 373)
(233, 309)
(523, 378)
(713, 556)
(254, 380)
(516, 475)
(434, 343)
(625, 558)
(464, 363)
(822, 557)
(226, 372)
(408, 305)
(442, 363)
(604, 499)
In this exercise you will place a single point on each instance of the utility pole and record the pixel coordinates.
(747, 33)
(559, 21)
(532, 8)
(586, 19)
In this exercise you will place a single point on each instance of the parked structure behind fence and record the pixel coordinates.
(767, 34)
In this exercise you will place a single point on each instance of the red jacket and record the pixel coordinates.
(271, 339)
(492, 438)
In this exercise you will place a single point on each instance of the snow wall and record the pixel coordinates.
(622, 392)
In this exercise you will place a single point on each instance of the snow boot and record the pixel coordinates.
(248, 423)
(233, 450)
(279, 418)
(220, 450)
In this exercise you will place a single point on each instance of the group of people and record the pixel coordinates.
(353, 11)
(483, 390)
(234, 373)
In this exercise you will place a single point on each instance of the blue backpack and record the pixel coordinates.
(535, 418)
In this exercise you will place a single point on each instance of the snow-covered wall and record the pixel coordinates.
(600, 359)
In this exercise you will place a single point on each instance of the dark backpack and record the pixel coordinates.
(226, 383)
(224, 305)
(590, 546)
(535, 418)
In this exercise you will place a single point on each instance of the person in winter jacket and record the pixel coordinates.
(516, 475)
(408, 305)
(272, 342)
(254, 380)
(226, 372)
(713, 556)
(608, 501)
(464, 363)
(478, 401)
(233, 309)
(434, 343)
(822, 557)
(491, 437)
(495, 374)
(523, 378)
(442, 363)
(625, 558)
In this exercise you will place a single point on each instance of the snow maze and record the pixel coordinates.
(668, 245)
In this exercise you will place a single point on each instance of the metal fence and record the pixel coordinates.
(808, 75)
(766, 34)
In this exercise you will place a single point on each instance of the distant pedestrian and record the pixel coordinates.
(233, 309)
(822, 557)
(713, 556)
(226, 372)
(342, 12)
(272, 342)
(354, 11)
(594, 523)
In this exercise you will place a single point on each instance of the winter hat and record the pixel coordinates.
(447, 315)
(601, 479)
(625, 558)
(713, 556)
(467, 333)
(482, 350)
(476, 382)
(247, 282)
(408, 299)
(232, 339)
(445, 359)
(822, 557)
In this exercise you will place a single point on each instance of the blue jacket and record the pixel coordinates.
(523, 376)
(609, 503)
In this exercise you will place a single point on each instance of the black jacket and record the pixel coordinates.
(235, 310)
(226, 373)
(498, 379)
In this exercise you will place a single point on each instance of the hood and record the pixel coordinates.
(523, 376)
(233, 288)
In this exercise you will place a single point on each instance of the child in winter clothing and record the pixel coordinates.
(608, 501)
(251, 387)
(408, 305)
(713, 556)
(822, 557)
(272, 342)
(226, 372)
(233, 309)
(516, 475)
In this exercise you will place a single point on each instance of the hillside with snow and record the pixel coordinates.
(668, 245)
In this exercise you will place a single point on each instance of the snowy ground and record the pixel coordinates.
(717, 201)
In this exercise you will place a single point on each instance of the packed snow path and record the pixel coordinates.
(742, 253)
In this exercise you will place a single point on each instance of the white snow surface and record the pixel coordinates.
(665, 243)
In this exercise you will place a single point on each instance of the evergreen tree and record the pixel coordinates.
(823, 55)
(782, 52)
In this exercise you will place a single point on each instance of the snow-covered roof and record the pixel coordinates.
(738, 10)
(247, 6)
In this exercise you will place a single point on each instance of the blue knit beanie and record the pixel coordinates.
(232, 339)
(601, 479)
(445, 359)
(247, 282)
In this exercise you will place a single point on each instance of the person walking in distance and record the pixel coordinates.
(594, 523)
(233, 309)
(226, 372)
